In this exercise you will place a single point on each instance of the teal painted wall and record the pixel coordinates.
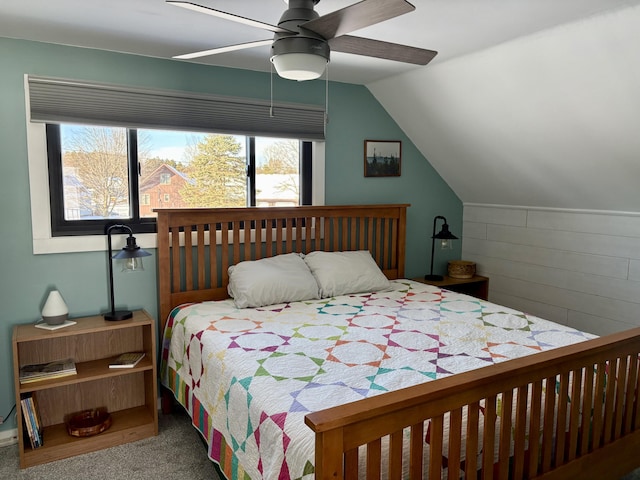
(354, 116)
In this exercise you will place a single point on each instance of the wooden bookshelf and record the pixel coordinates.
(128, 394)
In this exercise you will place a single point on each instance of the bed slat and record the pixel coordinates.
(247, 245)
(548, 415)
(505, 434)
(471, 460)
(561, 421)
(488, 437)
(535, 417)
(201, 257)
(587, 406)
(395, 456)
(620, 396)
(520, 431)
(188, 258)
(574, 413)
(436, 429)
(454, 453)
(374, 458)
(351, 464)
(175, 270)
(632, 385)
(416, 450)
(607, 430)
(224, 231)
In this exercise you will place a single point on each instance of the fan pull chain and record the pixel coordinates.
(271, 93)
(326, 99)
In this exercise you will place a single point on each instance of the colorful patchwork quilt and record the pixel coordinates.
(249, 376)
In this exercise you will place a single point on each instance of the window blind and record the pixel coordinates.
(55, 100)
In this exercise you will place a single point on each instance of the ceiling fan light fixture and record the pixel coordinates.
(300, 58)
(299, 66)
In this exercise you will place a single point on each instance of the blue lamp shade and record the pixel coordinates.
(131, 256)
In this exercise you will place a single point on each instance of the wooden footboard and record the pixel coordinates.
(571, 412)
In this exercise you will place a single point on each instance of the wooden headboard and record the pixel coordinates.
(189, 270)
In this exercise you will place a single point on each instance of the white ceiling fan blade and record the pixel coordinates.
(227, 16)
(230, 48)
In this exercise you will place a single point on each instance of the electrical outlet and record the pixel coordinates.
(1, 420)
(8, 437)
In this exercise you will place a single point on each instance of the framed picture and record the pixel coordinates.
(382, 158)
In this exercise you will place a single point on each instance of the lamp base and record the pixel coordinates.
(118, 315)
(434, 278)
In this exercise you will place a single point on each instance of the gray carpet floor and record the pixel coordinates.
(177, 453)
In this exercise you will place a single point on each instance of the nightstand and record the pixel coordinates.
(129, 394)
(476, 286)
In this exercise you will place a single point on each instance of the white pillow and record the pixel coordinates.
(341, 273)
(279, 279)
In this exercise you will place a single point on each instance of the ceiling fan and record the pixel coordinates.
(303, 40)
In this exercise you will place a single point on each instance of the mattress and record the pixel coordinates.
(249, 376)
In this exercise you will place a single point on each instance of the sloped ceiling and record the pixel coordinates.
(549, 120)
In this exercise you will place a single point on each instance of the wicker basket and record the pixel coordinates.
(461, 269)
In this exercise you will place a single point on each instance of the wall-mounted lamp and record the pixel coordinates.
(131, 255)
(444, 237)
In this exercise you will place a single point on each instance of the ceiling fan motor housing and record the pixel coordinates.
(305, 41)
(289, 44)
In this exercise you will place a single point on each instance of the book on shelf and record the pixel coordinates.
(32, 423)
(28, 429)
(127, 360)
(45, 371)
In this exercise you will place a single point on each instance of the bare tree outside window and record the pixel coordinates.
(96, 177)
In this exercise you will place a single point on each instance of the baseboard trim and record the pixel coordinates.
(8, 437)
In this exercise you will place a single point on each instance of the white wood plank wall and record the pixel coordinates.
(577, 268)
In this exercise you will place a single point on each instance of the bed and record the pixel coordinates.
(539, 400)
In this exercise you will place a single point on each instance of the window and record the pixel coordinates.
(54, 101)
(101, 174)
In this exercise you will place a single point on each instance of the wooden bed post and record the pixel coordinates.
(402, 238)
(329, 463)
(164, 270)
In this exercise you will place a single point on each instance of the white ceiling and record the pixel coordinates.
(154, 28)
